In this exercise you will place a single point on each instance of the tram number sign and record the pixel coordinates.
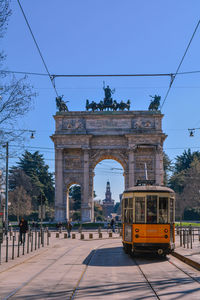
(128, 233)
(1, 227)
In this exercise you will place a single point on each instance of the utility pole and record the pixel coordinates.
(6, 204)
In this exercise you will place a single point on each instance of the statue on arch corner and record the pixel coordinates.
(61, 105)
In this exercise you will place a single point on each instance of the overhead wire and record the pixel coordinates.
(174, 75)
(101, 75)
(37, 46)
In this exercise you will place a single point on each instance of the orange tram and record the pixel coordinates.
(148, 214)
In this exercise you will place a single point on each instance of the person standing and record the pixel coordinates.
(23, 228)
(69, 228)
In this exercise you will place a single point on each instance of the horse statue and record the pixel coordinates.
(61, 105)
(91, 105)
(122, 105)
(155, 103)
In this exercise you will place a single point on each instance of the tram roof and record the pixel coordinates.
(149, 188)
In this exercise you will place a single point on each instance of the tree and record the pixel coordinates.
(75, 194)
(15, 94)
(20, 202)
(33, 165)
(187, 187)
(184, 160)
(167, 166)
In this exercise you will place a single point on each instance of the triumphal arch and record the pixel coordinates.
(84, 138)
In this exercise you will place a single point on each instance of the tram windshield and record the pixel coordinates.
(163, 210)
(139, 209)
(151, 209)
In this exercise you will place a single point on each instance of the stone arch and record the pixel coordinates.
(103, 135)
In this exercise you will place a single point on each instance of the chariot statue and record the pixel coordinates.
(108, 103)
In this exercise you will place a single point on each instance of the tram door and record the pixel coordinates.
(171, 211)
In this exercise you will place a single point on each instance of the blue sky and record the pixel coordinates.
(115, 36)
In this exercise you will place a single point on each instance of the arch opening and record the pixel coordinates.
(73, 202)
(109, 184)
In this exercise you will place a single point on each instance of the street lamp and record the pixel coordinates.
(6, 196)
(6, 200)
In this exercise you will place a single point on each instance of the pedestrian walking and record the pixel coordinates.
(112, 225)
(23, 228)
(69, 228)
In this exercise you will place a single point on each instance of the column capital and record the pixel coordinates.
(132, 147)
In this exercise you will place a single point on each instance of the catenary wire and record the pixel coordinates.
(37, 46)
(174, 75)
(100, 75)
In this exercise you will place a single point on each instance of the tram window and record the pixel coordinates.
(163, 210)
(130, 216)
(171, 210)
(139, 209)
(151, 209)
(125, 219)
(125, 203)
(130, 203)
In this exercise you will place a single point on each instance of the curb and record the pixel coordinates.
(186, 260)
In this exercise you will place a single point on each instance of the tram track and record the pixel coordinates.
(170, 262)
(76, 287)
(26, 283)
(148, 282)
(185, 272)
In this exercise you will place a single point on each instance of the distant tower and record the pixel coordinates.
(108, 202)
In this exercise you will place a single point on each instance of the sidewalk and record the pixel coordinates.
(53, 242)
(189, 255)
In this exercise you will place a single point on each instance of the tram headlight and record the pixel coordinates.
(166, 236)
(137, 236)
(136, 230)
(166, 230)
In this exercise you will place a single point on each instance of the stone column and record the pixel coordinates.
(131, 175)
(159, 165)
(85, 205)
(60, 207)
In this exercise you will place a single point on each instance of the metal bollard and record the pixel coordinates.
(38, 240)
(187, 239)
(18, 247)
(28, 241)
(35, 240)
(100, 235)
(181, 233)
(13, 247)
(42, 238)
(6, 248)
(48, 236)
(191, 241)
(184, 234)
(23, 244)
(31, 241)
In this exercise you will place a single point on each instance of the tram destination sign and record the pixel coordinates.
(1, 227)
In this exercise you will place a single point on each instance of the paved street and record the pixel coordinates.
(96, 269)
